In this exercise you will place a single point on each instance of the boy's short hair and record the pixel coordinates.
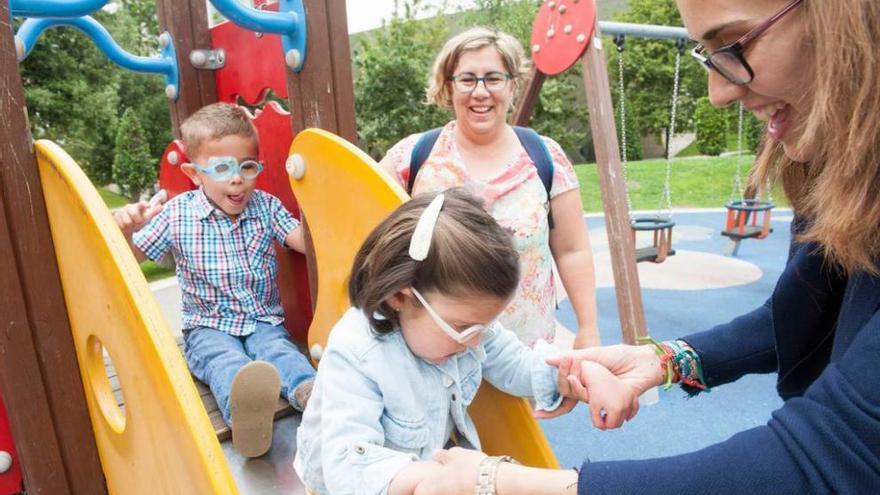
(215, 121)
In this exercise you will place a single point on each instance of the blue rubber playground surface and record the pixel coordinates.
(677, 305)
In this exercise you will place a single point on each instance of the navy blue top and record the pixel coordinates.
(821, 331)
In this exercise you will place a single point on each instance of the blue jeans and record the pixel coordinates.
(214, 357)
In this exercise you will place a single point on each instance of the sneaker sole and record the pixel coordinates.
(255, 391)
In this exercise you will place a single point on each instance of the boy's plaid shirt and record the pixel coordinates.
(226, 270)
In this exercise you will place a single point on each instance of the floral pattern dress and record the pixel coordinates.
(516, 198)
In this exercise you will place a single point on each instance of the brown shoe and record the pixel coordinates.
(252, 400)
(302, 394)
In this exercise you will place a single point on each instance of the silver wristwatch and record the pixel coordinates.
(486, 474)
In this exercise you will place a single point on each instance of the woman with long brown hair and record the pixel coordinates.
(809, 68)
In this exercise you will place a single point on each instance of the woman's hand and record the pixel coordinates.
(637, 366)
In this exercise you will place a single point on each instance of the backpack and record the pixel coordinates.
(530, 140)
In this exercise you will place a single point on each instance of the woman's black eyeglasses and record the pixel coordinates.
(729, 60)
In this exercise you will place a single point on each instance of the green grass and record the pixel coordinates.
(692, 150)
(153, 271)
(701, 182)
(112, 199)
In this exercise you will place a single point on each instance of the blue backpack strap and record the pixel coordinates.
(420, 153)
(538, 152)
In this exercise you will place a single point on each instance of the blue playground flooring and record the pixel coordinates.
(678, 424)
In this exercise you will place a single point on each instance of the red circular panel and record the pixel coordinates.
(561, 32)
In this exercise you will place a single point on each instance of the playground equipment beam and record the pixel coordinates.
(187, 21)
(621, 241)
(649, 31)
(316, 100)
(39, 375)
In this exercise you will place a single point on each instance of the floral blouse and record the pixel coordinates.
(517, 200)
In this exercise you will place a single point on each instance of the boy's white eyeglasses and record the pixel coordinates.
(465, 335)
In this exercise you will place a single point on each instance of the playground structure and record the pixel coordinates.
(78, 440)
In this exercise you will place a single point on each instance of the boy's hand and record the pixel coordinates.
(131, 217)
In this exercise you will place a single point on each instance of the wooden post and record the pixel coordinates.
(528, 98)
(187, 21)
(620, 238)
(322, 94)
(39, 375)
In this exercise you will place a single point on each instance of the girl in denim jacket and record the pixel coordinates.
(404, 363)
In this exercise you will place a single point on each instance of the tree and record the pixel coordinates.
(712, 125)
(134, 170)
(75, 95)
(650, 68)
(392, 66)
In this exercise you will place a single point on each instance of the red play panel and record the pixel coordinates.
(254, 63)
(10, 481)
(561, 32)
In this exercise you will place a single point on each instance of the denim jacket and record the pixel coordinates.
(376, 407)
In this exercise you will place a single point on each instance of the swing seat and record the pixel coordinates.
(742, 219)
(662, 245)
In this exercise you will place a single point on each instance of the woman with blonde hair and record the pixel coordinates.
(525, 181)
(809, 68)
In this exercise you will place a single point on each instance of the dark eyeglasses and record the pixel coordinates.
(467, 82)
(729, 60)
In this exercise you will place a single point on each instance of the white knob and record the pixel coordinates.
(536, 48)
(173, 158)
(164, 39)
(581, 38)
(19, 49)
(197, 58)
(293, 59)
(296, 166)
(567, 29)
(171, 92)
(5, 461)
(316, 351)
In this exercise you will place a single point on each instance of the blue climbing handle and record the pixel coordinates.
(31, 29)
(54, 8)
(289, 22)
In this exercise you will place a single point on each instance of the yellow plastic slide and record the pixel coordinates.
(343, 194)
(163, 441)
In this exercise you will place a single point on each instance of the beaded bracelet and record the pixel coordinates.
(679, 363)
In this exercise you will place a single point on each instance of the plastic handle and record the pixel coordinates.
(55, 8)
(31, 29)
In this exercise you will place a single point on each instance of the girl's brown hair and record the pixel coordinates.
(837, 190)
(511, 51)
(469, 254)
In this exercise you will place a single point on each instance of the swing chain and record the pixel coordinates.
(738, 191)
(666, 198)
(619, 40)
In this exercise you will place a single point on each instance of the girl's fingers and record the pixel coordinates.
(578, 390)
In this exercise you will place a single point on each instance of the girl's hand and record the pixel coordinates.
(612, 401)
(459, 473)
